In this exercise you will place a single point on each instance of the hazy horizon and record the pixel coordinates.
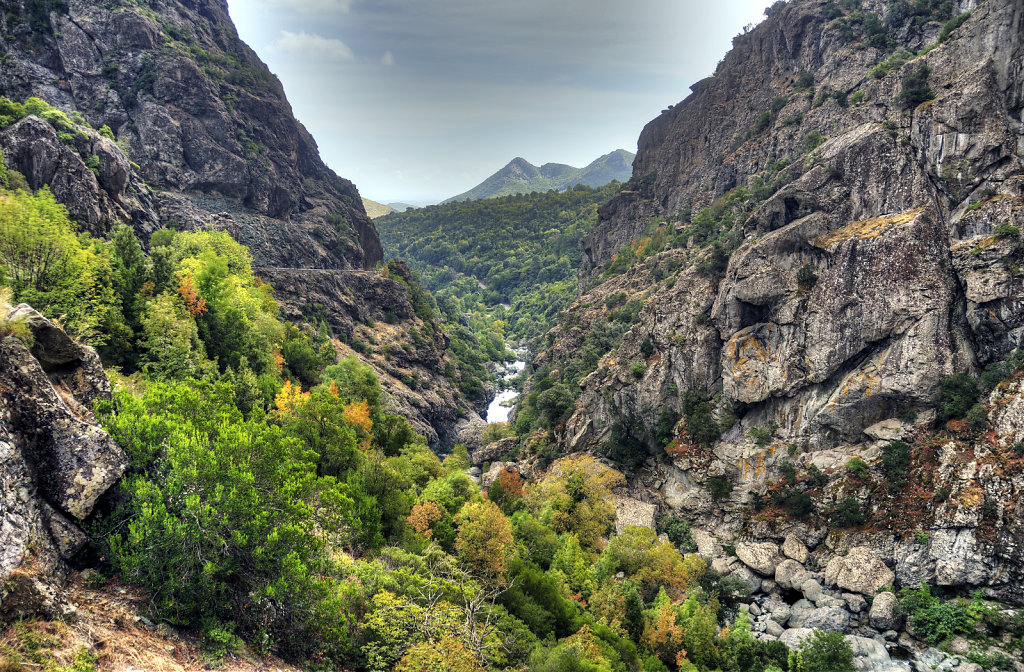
(419, 101)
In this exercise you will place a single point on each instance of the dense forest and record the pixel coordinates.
(522, 251)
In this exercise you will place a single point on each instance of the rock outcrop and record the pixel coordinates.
(55, 462)
(194, 132)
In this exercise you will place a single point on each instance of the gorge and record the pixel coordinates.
(769, 412)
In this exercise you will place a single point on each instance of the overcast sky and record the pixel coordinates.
(419, 100)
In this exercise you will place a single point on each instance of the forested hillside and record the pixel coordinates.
(522, 251)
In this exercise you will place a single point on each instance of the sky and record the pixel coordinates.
(419, 100)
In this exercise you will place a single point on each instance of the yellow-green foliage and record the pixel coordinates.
(46, 264)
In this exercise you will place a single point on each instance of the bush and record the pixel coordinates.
(720, 487)
(934, 620)
(915, 87)
(977, 417)
(799, 505)
(638, 369)
(895, 463)
(826, 652)
(847, 513)
(678, 531)
(805, 79)
(952, 25)
(1007, 231)
(858, 467)
(956, 395)
(807, 276)
(813, 140)
(760, 436)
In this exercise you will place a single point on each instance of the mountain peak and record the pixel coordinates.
(519, 176)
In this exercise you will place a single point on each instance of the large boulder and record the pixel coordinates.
(795, 549)
(790, 574)
(859, 571)
(55, 463)
(762, 558)
(885, 613)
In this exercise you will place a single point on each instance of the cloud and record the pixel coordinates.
(313, 46)
(388, 59)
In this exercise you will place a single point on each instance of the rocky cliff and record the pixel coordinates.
(815, 238)
(55, 461)
(170, 120)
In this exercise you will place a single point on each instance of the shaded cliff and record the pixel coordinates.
(165, 118)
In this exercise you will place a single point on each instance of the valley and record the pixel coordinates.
(749, 400)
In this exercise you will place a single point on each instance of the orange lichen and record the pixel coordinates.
(867, 228)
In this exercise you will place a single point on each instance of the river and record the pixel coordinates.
(498, 411)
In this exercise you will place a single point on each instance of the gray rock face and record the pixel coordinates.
(860, 571)
(54, 464)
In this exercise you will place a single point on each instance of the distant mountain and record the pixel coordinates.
(522, 177)
(375, 209)
(401, 207)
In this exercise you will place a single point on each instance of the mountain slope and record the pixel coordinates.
(522, 177)
(375, 209)
(175, 122)
(817, 253)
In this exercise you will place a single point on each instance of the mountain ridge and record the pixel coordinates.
(519, 176)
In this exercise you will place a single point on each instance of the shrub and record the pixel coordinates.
(638, 369)
(858, 467)
(826, 652)
(858, 97)
(895, 462)
(934, 620)
(805, 80)
(720, 487)
(977, 417)
(799, 505)
(816, 477)
(1007, 231)
(760, 436)
(788, 470)
(807, 276)
(678, 531)
(915, 87)
(847, 513)
(813, 140)
(956, 395)
(952, 25)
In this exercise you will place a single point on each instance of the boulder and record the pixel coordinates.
(780, 612)
(762, 558)
(885, 613)
(707, 545)
(795, 549)
(493, 450)
(870, 655)
(811, 590)
(773, 628)
(829, 618)
(790, 574)
(854, 602)
(800, 612)
(794, 637)
(859, 571)
(744, 574)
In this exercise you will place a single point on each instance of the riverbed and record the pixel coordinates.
(500, 408)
